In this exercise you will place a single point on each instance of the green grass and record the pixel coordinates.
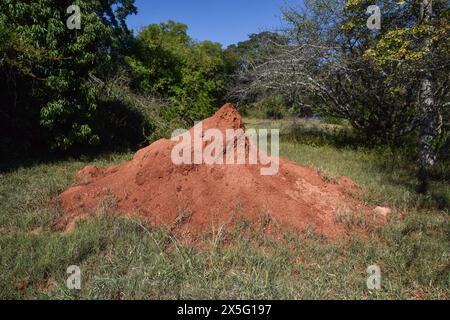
(386, 178)
(123, 259)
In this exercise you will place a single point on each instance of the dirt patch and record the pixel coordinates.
(195, 196)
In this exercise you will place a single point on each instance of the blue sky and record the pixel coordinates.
(224, 21)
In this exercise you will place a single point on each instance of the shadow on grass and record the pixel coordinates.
(33, 159)
(121, 129)
(318, 134)
(403, 174)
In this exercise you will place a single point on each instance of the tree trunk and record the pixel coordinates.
(428, 111)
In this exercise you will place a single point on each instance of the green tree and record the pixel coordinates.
(170, 65)
(244, 55)
(390, 84)
(45, 69)
(411, 51)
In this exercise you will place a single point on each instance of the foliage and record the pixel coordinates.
(46, 68)
(336, 66)
(341, 68)
(398, 52)
(169, 64)
(243, 56)
(256, 47)
(57, 84)
(270, 107)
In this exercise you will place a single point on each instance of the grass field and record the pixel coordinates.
(123, 259)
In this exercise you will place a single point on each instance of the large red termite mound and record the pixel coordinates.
(196, 196)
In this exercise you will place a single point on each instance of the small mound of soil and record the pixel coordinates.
(195, 196)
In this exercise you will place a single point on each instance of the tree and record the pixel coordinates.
(168, 64)
(430, 113)
(388, 83)
(246, 55)
(413, 53)
(45, 69)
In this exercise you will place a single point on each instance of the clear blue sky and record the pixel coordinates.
(224, 21)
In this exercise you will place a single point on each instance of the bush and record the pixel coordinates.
(272, 107)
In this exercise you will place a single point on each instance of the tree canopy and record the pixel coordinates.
(45, 68)
(169, 64)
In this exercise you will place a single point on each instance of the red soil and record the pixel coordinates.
(194, 197)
